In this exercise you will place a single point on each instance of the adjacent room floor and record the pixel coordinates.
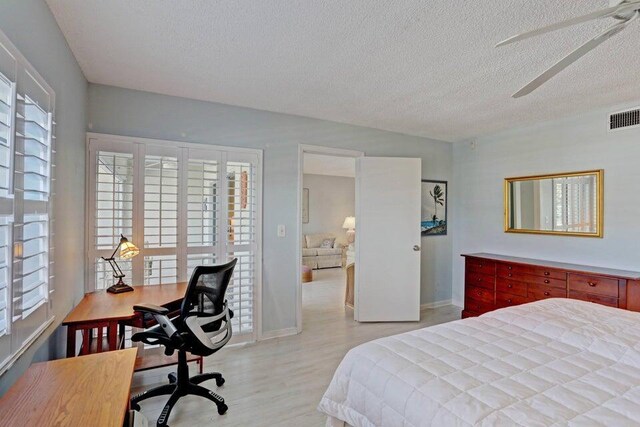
(279, 382)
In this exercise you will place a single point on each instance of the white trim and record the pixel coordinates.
(235, 153)
(436, 304)
(312, 149)
(7, 363)
(279, 333)
(180, 144)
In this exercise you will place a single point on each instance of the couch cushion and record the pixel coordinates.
(329, 251)
(315, 240)
(309, 251)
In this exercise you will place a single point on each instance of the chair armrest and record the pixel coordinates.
(151, 308)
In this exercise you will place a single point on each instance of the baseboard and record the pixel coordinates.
(279, 333)
(436, 304)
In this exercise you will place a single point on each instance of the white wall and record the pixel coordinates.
(574, 144)
(44, 46)
(142, 114)
(331, 200)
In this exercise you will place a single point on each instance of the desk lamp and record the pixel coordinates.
(127, 250)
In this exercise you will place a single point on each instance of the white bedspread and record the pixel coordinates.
(553, 362)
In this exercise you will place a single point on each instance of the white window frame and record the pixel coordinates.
(138, 147)
(26, 82)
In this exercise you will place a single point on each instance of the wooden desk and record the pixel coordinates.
(108, 313)
(90, 390)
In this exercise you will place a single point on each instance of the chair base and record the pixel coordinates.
(181, 385)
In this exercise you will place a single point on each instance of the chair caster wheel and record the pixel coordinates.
(219, 381)
(222, 408)
(135, 407)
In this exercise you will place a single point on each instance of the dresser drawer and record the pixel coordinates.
(599, 299)
(505, 269)
(593, 285)
(477, 307)
(479, 294)
(479, 265)
(506, 286)
(507, 300)
(540, 280)
(480, 280)
(538, 292)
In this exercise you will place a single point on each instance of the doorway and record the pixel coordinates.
(326, 213)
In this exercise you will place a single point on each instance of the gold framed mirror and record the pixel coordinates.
(565, 204)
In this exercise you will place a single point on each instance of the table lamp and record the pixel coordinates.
(350, 225)
(127, 250)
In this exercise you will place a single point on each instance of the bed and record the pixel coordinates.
(551, 362)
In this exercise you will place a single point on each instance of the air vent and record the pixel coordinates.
(624, 119)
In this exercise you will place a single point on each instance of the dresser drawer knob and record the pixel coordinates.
(509, 286)
(547, 281)
(479, 279)
(592, 284)
(509, 300)
(546, 273)
(546, 294)
(480, 265)
(510, 275)
(510, 268)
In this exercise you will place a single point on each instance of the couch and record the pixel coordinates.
(315, 256)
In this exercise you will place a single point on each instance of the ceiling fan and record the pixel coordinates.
(625, 11)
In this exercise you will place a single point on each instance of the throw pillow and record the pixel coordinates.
(327, 243)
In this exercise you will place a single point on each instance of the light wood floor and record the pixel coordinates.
(279, 382)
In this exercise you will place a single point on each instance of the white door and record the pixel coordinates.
(388, 199)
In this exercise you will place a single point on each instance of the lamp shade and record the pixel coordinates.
(128, 249)
(349, 223)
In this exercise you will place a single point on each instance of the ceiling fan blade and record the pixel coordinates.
(603, 13)
(572, 57)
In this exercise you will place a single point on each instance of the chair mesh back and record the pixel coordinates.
(205, 294)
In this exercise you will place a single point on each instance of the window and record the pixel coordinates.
(27, 152)
(183, 205)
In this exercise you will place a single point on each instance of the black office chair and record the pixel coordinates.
(202, 328)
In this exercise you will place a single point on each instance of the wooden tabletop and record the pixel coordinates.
(89, 390)
(101, 305)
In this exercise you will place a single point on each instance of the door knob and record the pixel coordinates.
(416, 248)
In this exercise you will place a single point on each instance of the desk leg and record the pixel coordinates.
(113, 335)
(71, 341)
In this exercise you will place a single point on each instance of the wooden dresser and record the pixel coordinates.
(497, 281)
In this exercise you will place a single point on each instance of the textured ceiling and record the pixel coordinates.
(419, 67)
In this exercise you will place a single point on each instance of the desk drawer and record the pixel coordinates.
(598, 299)
(506, 286)
(505, 269)
(480, 280)
(479, 265)
(538, 292)
(593, 285)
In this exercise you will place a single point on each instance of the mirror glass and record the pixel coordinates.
(567, 204)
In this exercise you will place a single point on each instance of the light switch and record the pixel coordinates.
(281, 230)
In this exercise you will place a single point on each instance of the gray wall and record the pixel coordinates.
(32, 28)
(573, 144)
(331, 200)
(142, 114)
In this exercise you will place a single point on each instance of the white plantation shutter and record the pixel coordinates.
(241, 231)
(27, 176)
(183, 205)
(111, 199)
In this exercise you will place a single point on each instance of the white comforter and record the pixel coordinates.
(553, 362)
